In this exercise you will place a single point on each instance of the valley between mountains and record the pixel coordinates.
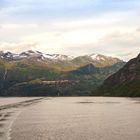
(33, 73)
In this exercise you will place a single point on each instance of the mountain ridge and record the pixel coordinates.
(30, 53)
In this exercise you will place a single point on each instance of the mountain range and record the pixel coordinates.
(36, 73)
(96, 59)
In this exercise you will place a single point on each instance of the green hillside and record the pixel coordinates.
(126, 82)
(43, 77)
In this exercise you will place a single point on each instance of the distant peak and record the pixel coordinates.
(55, 57)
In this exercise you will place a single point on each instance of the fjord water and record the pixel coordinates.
(13, 100)
(10, 108)
(79, 118)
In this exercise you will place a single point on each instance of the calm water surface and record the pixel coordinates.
(12, 100)
(78, 118)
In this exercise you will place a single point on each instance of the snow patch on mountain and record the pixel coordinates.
(98, 57)
(93, 56)
(51, 57)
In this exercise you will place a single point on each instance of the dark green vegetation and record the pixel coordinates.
(38, 76)
(126, 82)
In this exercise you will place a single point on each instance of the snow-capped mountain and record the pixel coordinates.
(8, 55)
(98, 60)
(34, 54)
(99, 57)
(57, 57)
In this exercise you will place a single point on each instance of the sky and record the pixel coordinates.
(71, 27)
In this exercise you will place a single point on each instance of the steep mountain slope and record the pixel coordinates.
(126, 82)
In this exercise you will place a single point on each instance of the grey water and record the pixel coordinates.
(74, 118)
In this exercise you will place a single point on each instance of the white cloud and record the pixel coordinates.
(121, 44)
(17, 47)
(108, 33)
(18, 26)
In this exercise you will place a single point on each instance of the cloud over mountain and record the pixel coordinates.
(78, 27)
